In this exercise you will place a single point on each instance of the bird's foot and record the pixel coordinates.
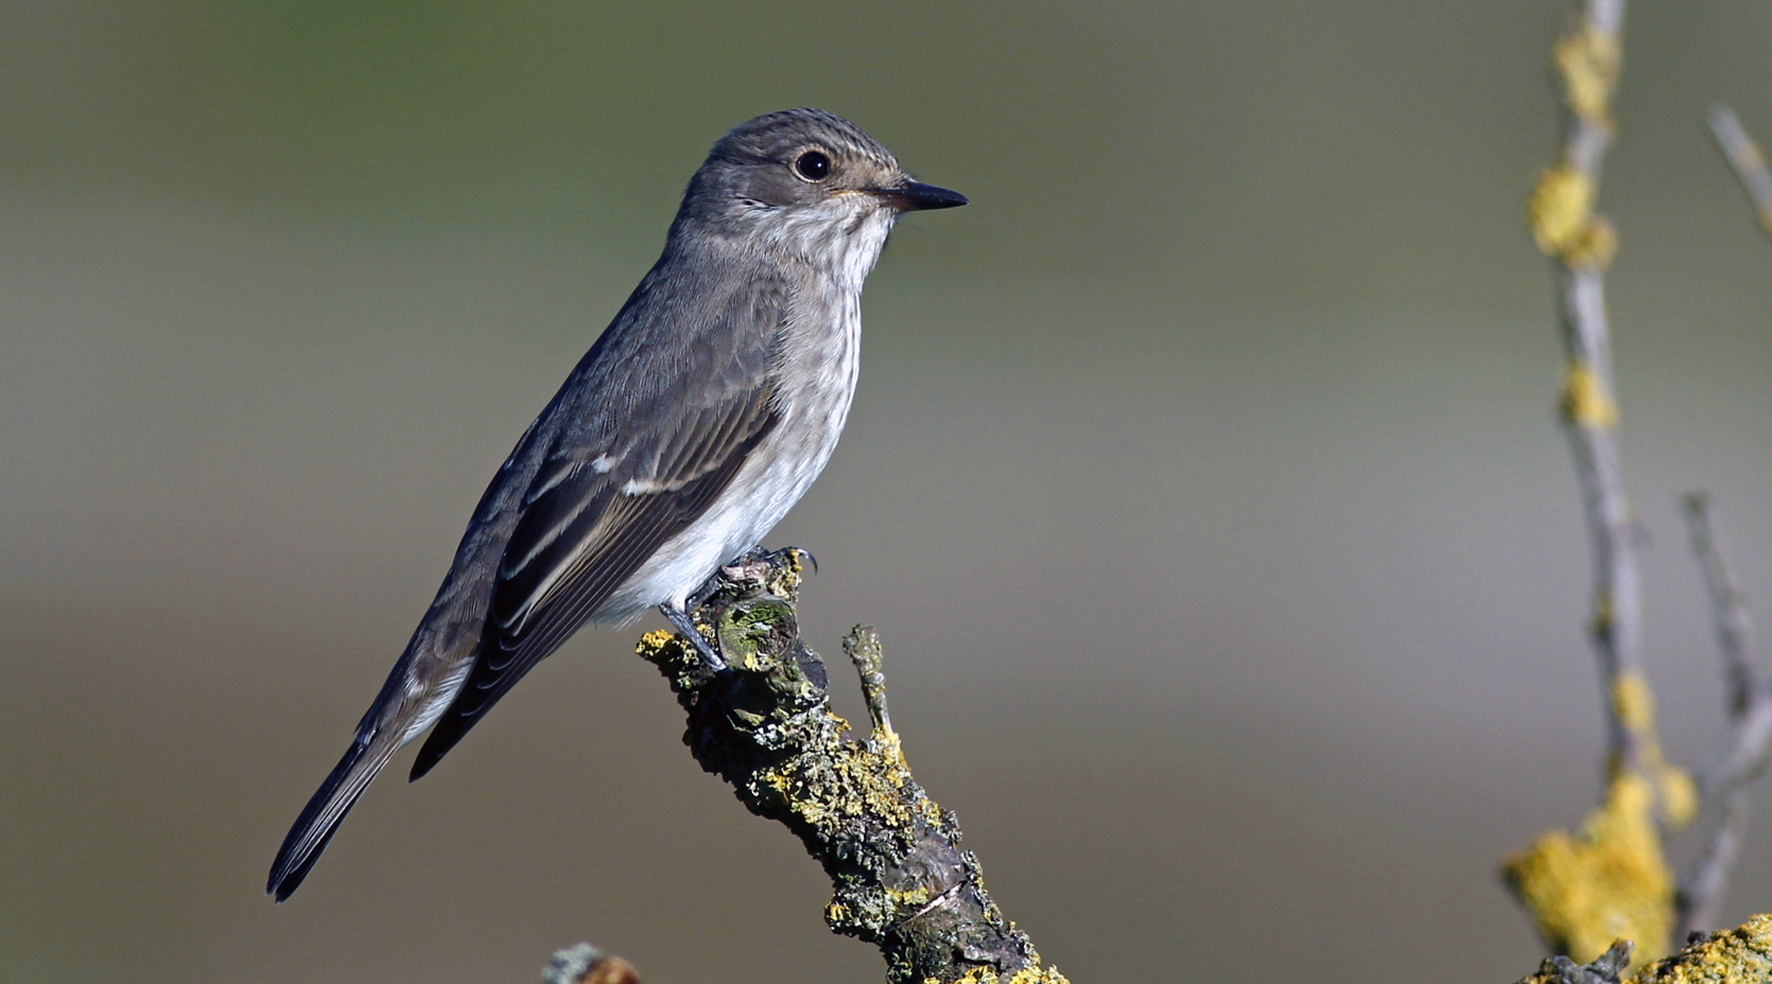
(757, 555)
(741, 601)
(754, 562)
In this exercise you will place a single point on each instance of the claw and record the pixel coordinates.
(798, 554)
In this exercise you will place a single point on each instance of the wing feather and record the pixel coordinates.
(583, 537)
(649, 428)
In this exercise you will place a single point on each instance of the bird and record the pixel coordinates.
(696, 420)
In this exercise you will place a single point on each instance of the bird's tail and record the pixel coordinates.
(335, 797)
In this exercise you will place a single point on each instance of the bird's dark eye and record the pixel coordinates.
(813, 166)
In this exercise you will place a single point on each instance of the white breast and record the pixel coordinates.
(820, 363)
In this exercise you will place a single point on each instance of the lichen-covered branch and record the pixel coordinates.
(1609, 878)
(764, 724)
(1742, 955)
(1738, 956)
(1745, 160)
(1603, 969)
(1565, 226)
(1601, 882)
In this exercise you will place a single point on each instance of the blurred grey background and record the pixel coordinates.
(1204, 481)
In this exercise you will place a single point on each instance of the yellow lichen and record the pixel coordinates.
(1589, 62)
(1587, 405)
(891, 751)
(866, 781)
(1605, 882)
(918, 896)
(1736, 956)
(1033, 974)
(1679, 796)
(1561, 213)
(1633, 703)
(1561, 206)
(652, 644)
(1593, 247)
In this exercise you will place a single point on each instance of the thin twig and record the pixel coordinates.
(1704, 888)
(1748, 685)
(1565, 226)
(1745, 680)
(1608, 878)
(1748, 694)
(1745, 159)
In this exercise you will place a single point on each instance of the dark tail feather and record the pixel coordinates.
(485, 684)
(438, 743)
(449, 729)
(324, 812)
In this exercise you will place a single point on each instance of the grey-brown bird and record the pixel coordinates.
(698, 418)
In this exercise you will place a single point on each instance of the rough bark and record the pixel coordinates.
(764, 724)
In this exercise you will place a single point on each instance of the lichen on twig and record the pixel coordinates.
(1736, 956)
(765, 725)
(1609, 878)
(1603, 969)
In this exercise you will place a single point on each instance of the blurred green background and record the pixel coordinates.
(1203, 482)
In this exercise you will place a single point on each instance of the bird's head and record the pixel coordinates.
(807, 182)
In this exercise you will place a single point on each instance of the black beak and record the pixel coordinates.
(912, 196)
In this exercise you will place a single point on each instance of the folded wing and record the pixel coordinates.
(590, 522)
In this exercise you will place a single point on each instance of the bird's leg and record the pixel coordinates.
(700, 596)
(680, 620)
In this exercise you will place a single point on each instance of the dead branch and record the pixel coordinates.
(765, 725)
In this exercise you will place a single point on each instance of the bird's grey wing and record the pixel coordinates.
(587, 526)
(680, 374)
